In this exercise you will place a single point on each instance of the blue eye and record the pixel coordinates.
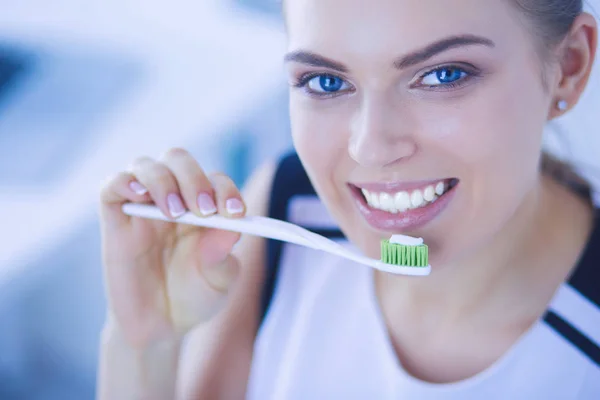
(444, 76)
(328, 84)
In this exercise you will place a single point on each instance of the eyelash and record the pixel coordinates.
(471, 72)
(303, 81)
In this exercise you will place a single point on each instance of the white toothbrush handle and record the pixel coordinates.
(272, 229)
(252, 225)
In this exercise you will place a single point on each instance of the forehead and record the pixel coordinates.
(377, 27)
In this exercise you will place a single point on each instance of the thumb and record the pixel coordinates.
(219, 279)
(217, 265)
(197, 298)
(221, 276)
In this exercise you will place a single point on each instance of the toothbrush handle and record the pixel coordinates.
(272, 229)
(252, 225)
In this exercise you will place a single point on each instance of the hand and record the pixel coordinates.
(164, 278)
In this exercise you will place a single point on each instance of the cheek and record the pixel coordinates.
(319, 136)
(491, 134)
(491, 141)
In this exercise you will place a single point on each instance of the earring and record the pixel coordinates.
(562, 105)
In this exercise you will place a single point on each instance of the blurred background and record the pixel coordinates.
(86, 86)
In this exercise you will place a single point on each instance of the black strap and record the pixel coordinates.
(290, 180)
(586, 277)
(574, 336)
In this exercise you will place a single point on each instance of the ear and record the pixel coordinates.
(576, 59)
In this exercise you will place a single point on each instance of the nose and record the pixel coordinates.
(380, 134)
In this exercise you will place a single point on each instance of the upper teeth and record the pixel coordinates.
(402, 201)
(440, 188)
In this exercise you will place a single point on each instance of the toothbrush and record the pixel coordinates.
(287, 232)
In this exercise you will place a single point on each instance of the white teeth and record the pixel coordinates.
(402, 201)
(367, 195)
(375, 201)
(429, 193)
(416, 199)
(386, 202)
(439, 189)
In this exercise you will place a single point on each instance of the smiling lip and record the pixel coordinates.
(406, 221)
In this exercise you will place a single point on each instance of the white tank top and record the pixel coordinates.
(324, 337)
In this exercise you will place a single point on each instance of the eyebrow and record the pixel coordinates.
(314, 60)
(411, 59)
(440, 46)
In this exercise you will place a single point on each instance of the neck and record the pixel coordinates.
(516, 266)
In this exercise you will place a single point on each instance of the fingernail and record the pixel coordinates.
(234, 206)
(138, 188)
(175, 205)
(206, 204)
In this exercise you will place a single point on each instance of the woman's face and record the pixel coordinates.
(416, 117)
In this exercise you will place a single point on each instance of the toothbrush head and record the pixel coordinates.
(395, 252)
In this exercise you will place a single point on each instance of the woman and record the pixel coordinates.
(407, 117)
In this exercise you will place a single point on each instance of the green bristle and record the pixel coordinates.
(406, 256)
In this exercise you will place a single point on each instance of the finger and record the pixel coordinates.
(161, 184)
(116, 190)
(196, 189)
(228, 197)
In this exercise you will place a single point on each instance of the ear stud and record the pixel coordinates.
(562, 105)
